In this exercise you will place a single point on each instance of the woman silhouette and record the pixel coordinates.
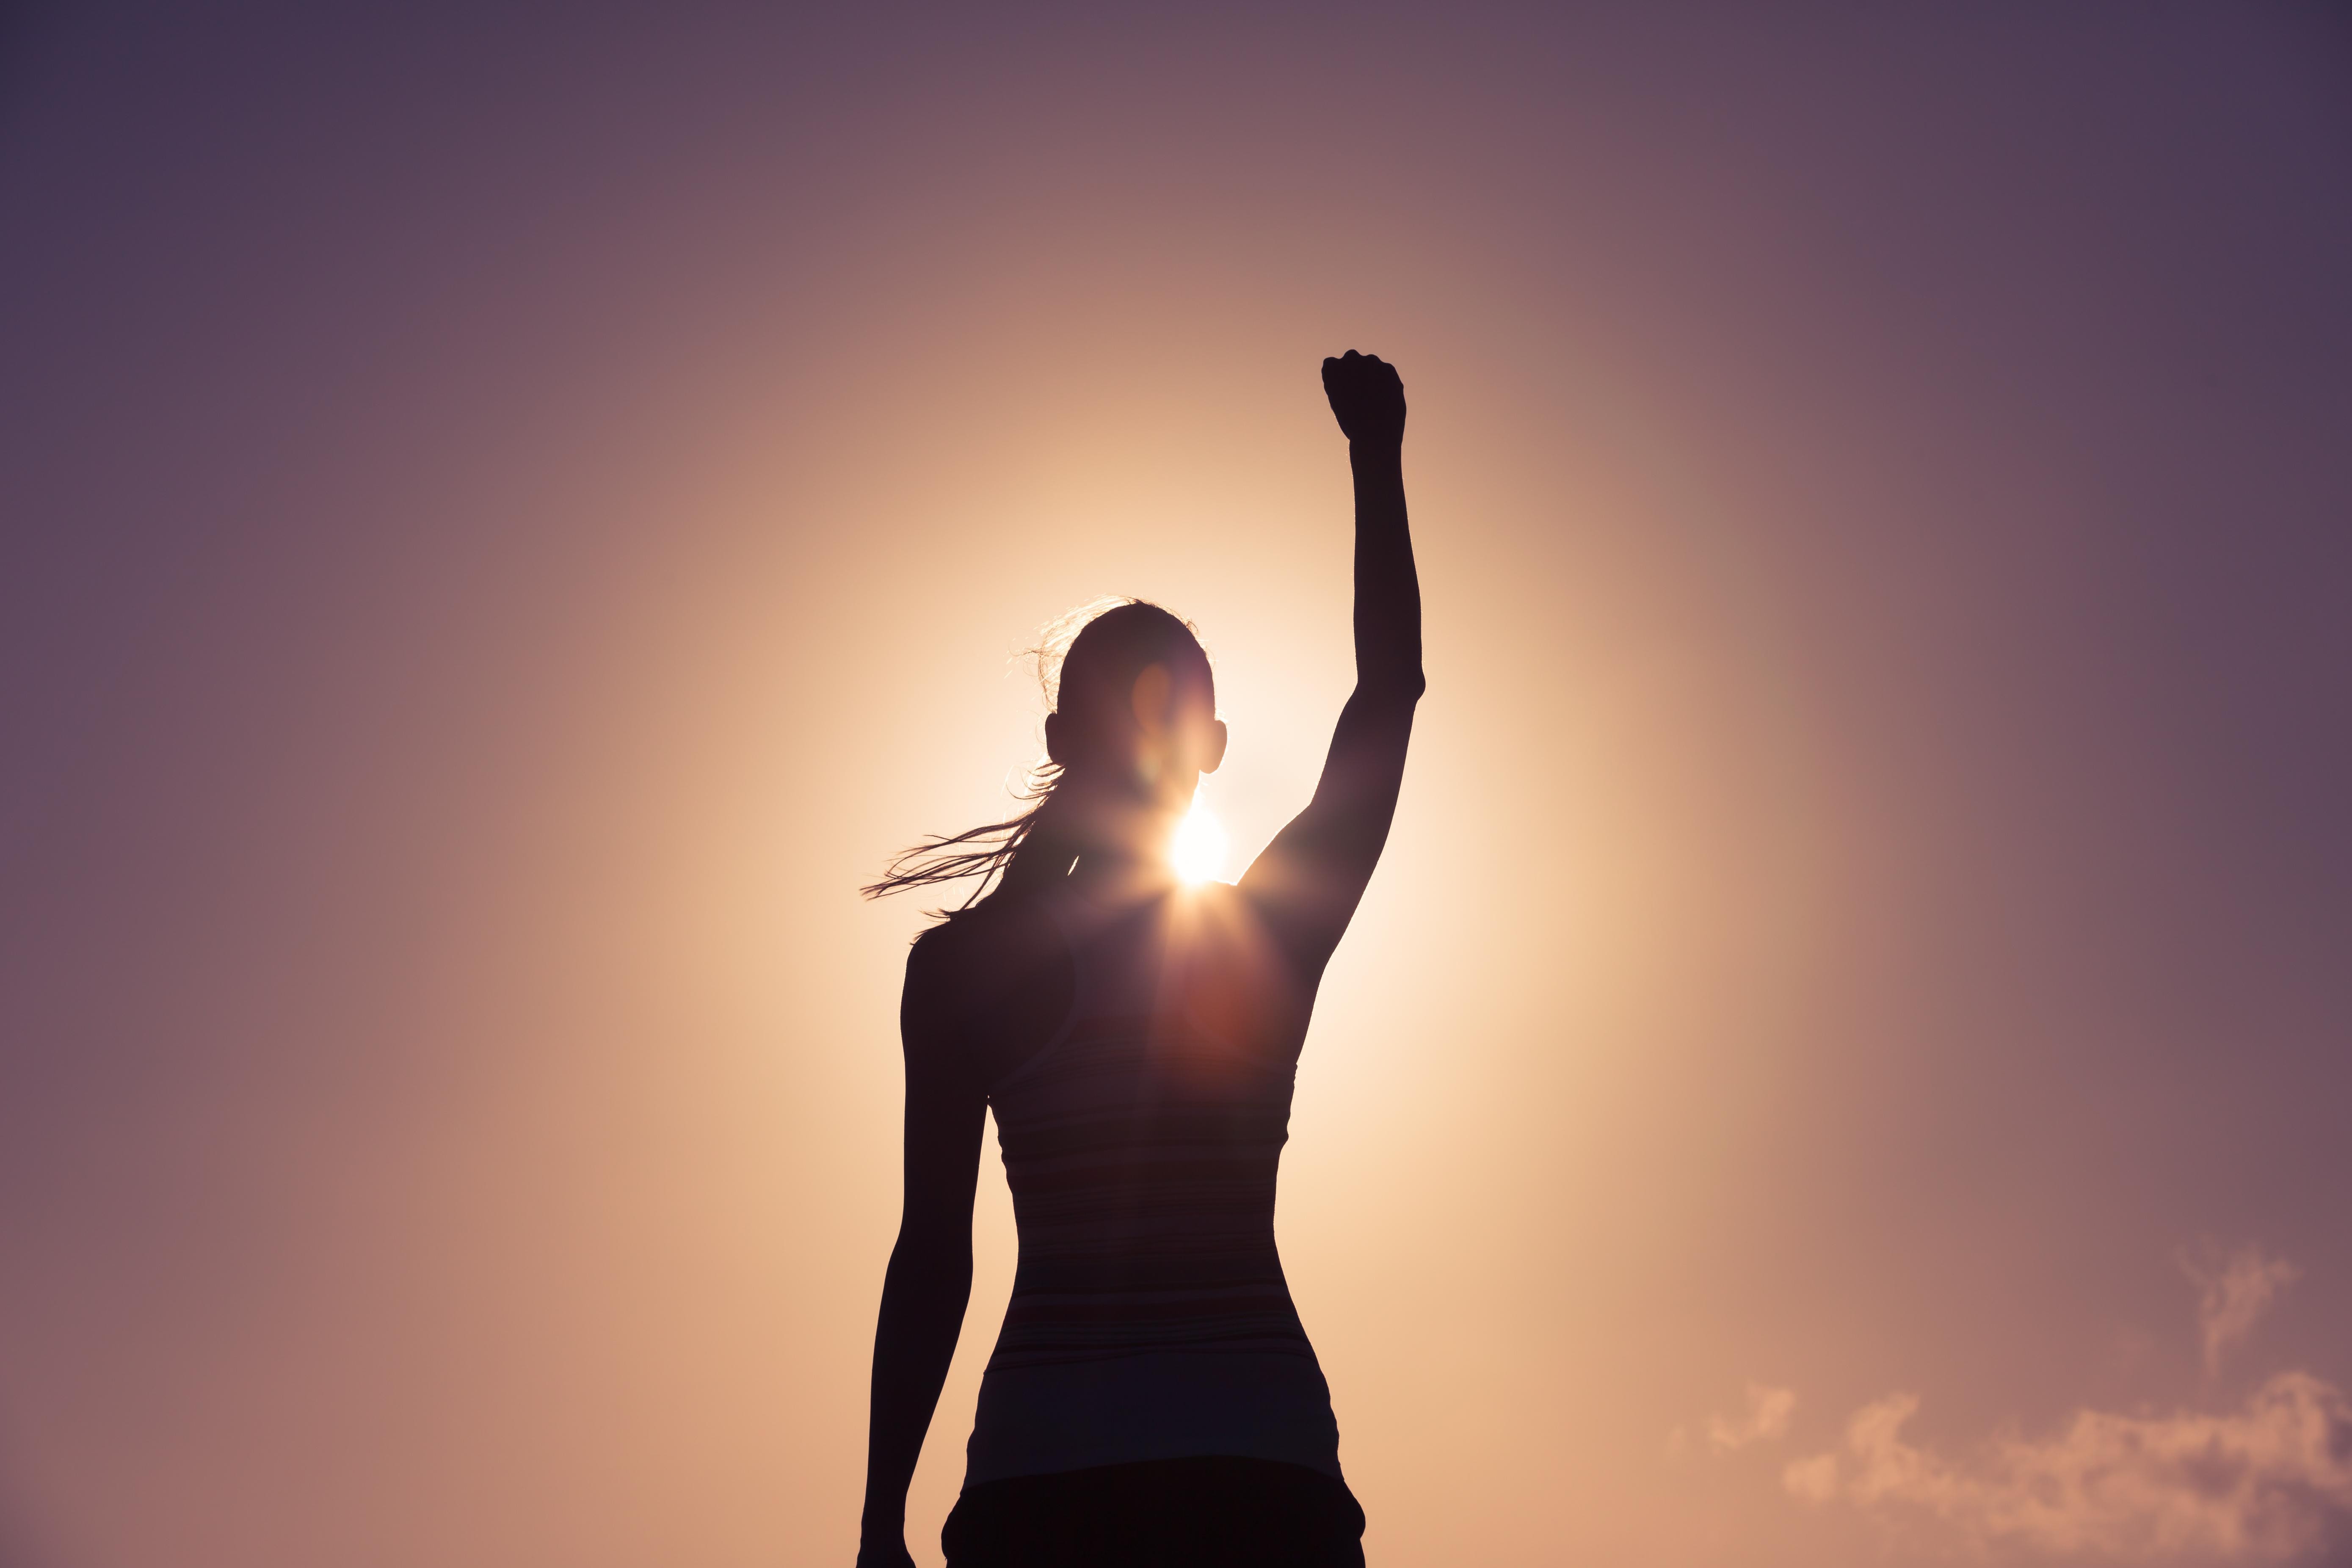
(1152, 1398)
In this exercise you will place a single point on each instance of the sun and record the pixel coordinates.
(1199, 850)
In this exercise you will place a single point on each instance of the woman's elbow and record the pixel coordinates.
(1387, 704)
(931, 1252)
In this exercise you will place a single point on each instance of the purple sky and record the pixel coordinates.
(505, 522)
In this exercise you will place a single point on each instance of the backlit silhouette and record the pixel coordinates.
(1152, 1398)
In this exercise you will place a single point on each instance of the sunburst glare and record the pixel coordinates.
(1199, 850)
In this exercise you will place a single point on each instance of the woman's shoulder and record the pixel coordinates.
(984, 938)
(991, 976)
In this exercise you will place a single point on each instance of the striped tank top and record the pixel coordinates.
(1149, 1318)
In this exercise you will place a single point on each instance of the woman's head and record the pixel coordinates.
(1133, 727)
(1135, 722)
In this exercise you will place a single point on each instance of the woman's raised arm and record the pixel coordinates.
(1307, 882)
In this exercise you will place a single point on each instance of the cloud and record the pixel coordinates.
(1814, 1479)
(1768, 1416)
(2233, 1294)
(2269, 1483)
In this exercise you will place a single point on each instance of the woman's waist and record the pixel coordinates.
(1263, 1400)
(1057, 1316)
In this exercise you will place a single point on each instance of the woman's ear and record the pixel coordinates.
(1216, 754)
(1054, 741)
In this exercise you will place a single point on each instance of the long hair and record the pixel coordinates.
(1100, 646)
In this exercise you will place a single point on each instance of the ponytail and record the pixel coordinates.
(1023, 854)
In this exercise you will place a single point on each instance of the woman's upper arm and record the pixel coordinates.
(946, 1105)
(1309, 881)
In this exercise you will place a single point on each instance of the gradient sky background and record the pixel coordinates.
(509, 521)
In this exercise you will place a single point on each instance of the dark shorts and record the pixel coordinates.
(1164, 1513)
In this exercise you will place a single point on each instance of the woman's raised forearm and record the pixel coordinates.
(1388, 589)
(1367, 399)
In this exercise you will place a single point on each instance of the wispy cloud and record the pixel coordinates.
(2269, 1483)
(1768, 1416)
(1814, 1479)
(2233, 1293)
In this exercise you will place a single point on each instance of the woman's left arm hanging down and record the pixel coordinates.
(929, 1282)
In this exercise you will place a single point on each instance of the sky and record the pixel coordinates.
(506, 520)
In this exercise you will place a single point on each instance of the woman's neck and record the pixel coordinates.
(1117, 875)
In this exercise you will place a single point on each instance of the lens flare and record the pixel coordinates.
(1199, 850)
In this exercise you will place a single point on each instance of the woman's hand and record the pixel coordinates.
(1367, 398)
